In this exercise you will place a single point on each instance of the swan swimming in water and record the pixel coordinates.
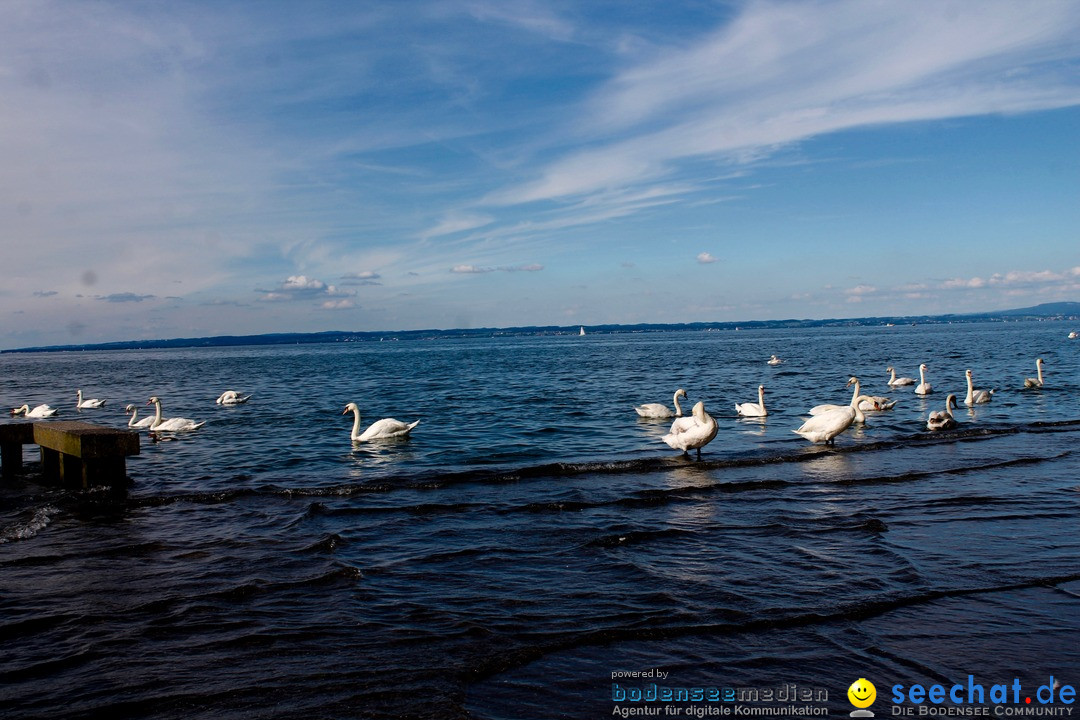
(41, 411)
(943, 419)
(825, 427)
(659, 410)
(774, 360)
(1035, 382)
(92, 403)
(231, 397)
(897, 382)
(866, 402)
(753, 409)
(923, 388)
(177, 424)
(380, 429)
(134, 413)
(976, 397)
(694, 435)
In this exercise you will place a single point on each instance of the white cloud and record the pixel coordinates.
(301, 287)
(343, 304)
(706, 258)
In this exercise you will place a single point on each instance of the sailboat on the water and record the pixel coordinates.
(582, 332)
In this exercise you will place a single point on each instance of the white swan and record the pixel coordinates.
(692, 436)
(1035, 382)
(231, 397)
(134, 413)
(92, 403)
(1073, 335)
(866, 402)
(897, 382)
(41, 411)
(177, 424)
(658, 410)
(923, 388)
(976, 397)
(943, 419)
(774, 360)
(378, 430)
(826, 426)
(753, 409)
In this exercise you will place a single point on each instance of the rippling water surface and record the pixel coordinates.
(534, 536)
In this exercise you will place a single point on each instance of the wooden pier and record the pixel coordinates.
(72, 453)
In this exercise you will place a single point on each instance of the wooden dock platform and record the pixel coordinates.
(72, 452)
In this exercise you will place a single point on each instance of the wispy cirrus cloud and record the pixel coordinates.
(806, 69)
(478, 270)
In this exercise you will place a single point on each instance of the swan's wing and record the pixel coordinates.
(654, 410)
(822, 409)
(387, 427)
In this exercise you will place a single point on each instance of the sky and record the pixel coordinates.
(184, 168)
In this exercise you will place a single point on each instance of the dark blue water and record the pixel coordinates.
(534, 536)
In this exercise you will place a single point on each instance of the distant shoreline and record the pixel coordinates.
(1047, 311)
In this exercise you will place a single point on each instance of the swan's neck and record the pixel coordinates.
(678, 407)
(356, 423)
(134, 414)
(971, 390)
(157, 415)
(761, 398)
(922, 376)
(859, 416)
(893, 378)
(855, 398)
(1038, 368)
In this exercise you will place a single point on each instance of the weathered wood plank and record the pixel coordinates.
(85, 441)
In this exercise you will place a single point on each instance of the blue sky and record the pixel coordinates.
(200, 168)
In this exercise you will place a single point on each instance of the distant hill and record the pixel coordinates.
(1046, 311)
(1066, 310)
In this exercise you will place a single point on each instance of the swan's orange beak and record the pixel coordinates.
(345, 411)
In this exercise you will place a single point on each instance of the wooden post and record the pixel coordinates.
(12, 438)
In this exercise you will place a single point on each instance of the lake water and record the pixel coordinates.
(534, 537)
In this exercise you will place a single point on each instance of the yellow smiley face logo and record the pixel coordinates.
(862, 693)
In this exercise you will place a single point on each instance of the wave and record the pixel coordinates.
(739, 622)
(95, 503)
(26, 528)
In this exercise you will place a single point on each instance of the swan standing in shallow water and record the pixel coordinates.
(380, 429)
(41, 411)
(1035, 382)
(134, 413)
(687, 436)
(231, 397)
(774, 360)
(826, 426)
(923, 388)
(897, 382)
(658, 410)
(753, 409)
(177, 424)
(976, 397)
(92, 403)
(943, 419)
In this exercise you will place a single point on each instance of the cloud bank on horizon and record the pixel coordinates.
(202, 168)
